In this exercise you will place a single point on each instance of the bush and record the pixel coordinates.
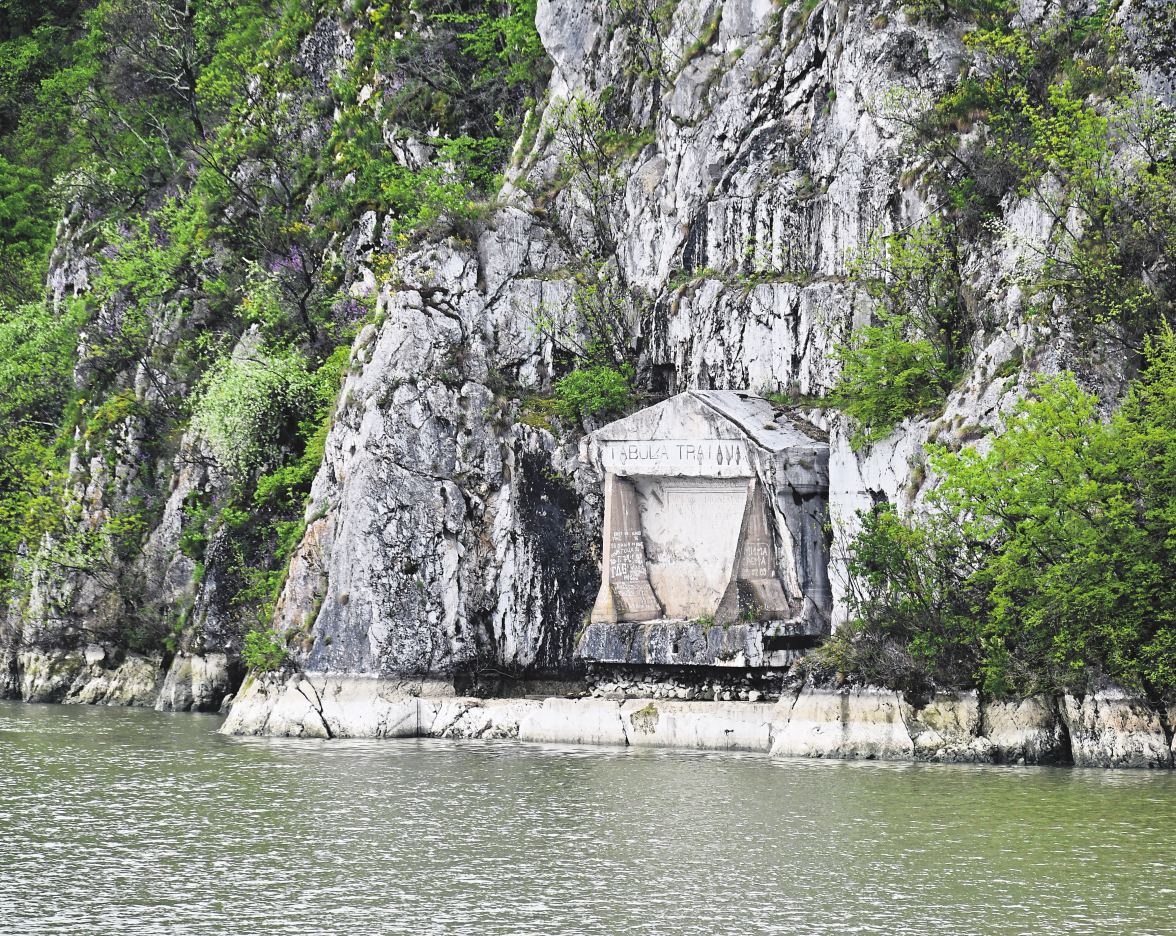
(909, 358)
(1049, 557)
(251, 406)
(594, 391)
(886, 376)
(264, 651)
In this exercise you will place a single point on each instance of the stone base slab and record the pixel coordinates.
(868, 723)
(691, 643)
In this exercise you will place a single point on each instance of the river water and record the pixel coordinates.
(123, 821)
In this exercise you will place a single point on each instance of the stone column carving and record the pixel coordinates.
(625, 592)
(754, 589)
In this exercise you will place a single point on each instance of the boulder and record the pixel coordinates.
(135, 681)
(277, 706)
(47, 676)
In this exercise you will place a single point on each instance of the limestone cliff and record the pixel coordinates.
(452, 538)
(447, 533)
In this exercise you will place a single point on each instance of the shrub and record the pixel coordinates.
(251, 405)
(594, 391)
(1048, 557)
(908, 359)
(264, 651)
(886, 376)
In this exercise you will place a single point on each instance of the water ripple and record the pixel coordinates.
(125, 821)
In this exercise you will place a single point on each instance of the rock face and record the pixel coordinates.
(452, 533)
(948, 729)
(95, 675)
(198, 683)
(441, 533)
(1110, 728)
(453, 538)
(1028, 731)
(851, 723)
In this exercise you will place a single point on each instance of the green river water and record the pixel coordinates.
(116, 821)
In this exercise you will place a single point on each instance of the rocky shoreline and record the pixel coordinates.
(1108, 728)
(101, 675)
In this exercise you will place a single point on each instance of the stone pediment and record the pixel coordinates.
(703, 433)
(714, 513)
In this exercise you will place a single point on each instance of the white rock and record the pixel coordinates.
(1112, 728)
(848, 723)
(712, 726)
(574, 721)
(1026, 731)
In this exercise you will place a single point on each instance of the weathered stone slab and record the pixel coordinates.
(353, 707)
(692, 643)
(578, 721)
(1112, 728)
(711, 726)
(754, 591)
(296, 714)
(848, 723)
(276, 707)
(691, 529)
(625, 592)
(1025, 731)
(478, 718)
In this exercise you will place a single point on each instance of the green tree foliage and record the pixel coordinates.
(251, 406)
(907, 362)
(467, 74)
(36, 360)
(264, 651)
(649, 22)
(1049, 556)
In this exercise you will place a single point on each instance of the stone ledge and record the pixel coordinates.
(867, 723)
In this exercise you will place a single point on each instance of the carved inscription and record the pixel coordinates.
(757, 561)
(713, 457)
(625, 592)
(626, 556)
(755, 591)
(703, 503)
(633, 597)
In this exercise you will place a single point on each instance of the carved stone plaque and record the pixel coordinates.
(701, 457)
(698, 529)
(690, 526)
